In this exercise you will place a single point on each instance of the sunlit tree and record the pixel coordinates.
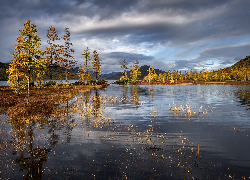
(96, 65)
(15, 72)
(135, 71)
(68, 59)
(152, 76)
(30, 55)
(83, 72)
(161, 77)
(124, 77)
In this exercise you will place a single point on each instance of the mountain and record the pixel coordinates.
(241, 65)
(108, 75)
(144, 71)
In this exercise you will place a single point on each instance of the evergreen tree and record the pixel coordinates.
(135, 71)
(83, 73)
(53, 51)
(124, 77)
(68, 60)
(96, 65)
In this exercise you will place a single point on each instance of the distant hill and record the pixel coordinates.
(240, 65)
(143, 69)
(108, 75)
(115, 76)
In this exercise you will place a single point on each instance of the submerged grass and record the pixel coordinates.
(43, 101)
(145, 150)
(187, 110)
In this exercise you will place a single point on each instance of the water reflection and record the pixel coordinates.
(135, 95)
(130, 132)
(35, 131)
(151, 93)
(97, 100)
(243, 95)
(30, 156)
(124, 94)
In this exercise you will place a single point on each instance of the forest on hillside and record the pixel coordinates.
(240, 71)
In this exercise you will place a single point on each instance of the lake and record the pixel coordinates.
(132, 132)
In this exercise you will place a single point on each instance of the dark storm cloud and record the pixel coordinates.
(221, 18)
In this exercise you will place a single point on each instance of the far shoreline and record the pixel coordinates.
(179, 82)
(194, 82)
(189, 82)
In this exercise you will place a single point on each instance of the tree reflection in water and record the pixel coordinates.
(29, 141)
(243, 96)
(137, 143)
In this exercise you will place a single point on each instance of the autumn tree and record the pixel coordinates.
(83, 72)
(29, 57)
(31, 53)
(152, 76)
(15, 73)
(68, 59)
(53, 51)
(148, 77)
(135, 71)
(124, 77)
(161, 77)
(96, 65)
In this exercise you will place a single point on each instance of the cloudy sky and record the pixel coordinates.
(168, 34)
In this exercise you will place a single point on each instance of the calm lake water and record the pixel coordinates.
(132, 132)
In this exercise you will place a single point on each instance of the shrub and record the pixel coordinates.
(123, 81)
(50, 83)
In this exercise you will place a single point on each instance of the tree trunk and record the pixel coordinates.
(66, 75)
(50, 68)
(28, 87)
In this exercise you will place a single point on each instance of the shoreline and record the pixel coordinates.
(178, 82)
(187, 82)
